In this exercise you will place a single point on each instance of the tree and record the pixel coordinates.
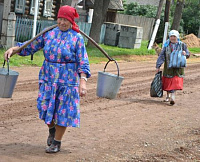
(135, 9)
(66, 2)
(159, 9)
(191, 17)
(177, 14)
(99, 15)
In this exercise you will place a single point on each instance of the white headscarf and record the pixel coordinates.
(175, 33)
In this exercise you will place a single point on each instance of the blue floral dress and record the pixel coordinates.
(65, 59)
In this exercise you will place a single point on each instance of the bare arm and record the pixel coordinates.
(82, 86)
(10, 52)
(160, 59)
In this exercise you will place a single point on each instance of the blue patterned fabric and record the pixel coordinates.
(176, 58)
(65, 59)
(162, 56)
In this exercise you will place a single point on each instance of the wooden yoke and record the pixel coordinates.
(31, 40)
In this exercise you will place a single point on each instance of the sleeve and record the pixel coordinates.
(184, 48)
(82, 58)
(161, 58)
(33, 47)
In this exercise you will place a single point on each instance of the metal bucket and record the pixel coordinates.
(8, 79)
(108, 84)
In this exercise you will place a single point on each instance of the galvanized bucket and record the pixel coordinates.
(8, 79)
(108, 84)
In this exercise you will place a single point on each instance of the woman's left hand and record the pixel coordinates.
(82, 88)
(184, 53)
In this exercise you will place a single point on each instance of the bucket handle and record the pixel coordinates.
(7, 65)
(116, 65)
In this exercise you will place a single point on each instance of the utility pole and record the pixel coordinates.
(166, 20)
(35, 21)
(84, 5)
(156, 25)
(6, 11)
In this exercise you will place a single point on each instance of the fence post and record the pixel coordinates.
(11, 30)
(6, 10)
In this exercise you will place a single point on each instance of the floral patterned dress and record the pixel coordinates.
(65, 59)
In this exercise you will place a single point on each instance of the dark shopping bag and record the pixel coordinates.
(156, 85)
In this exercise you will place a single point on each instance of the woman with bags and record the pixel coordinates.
(173, 55)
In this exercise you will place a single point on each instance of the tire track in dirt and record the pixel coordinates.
(130, 87)
(17, 109)
(130, 73)
(133, 96)
(137, 85)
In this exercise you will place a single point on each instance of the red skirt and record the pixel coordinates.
(175, 83)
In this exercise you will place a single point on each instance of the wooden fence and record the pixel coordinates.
(1, 17)
(24, 28)
(146, 23)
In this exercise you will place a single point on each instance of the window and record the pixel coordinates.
(47, 8)
(32, 10)
(19, 6)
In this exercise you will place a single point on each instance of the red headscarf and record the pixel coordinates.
(70, 14)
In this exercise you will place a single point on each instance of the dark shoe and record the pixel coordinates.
(53, 148)
(50, 139)
(172, 102)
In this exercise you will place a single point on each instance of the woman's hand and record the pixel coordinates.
(82, 87)
(184, 53)
(157, 70)
(9, 53)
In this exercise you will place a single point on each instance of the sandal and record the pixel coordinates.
(53, 148)
(167, 99)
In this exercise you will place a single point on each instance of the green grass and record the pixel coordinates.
(116, 51)
(194, 50)
(95, 55)
(26, 60)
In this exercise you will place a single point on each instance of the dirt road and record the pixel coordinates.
(132, 127)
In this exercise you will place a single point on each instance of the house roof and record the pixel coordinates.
(113, 5)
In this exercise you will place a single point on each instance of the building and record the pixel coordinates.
(114, 6)
(47, 10)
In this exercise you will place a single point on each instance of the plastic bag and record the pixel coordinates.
(156, 85)
(177, 59)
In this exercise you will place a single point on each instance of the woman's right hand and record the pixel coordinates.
(157, 70)
(9, 53)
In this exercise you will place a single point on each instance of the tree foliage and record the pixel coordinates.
(140, 10)
(146, 11)
(191, 16)
(189, 23)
